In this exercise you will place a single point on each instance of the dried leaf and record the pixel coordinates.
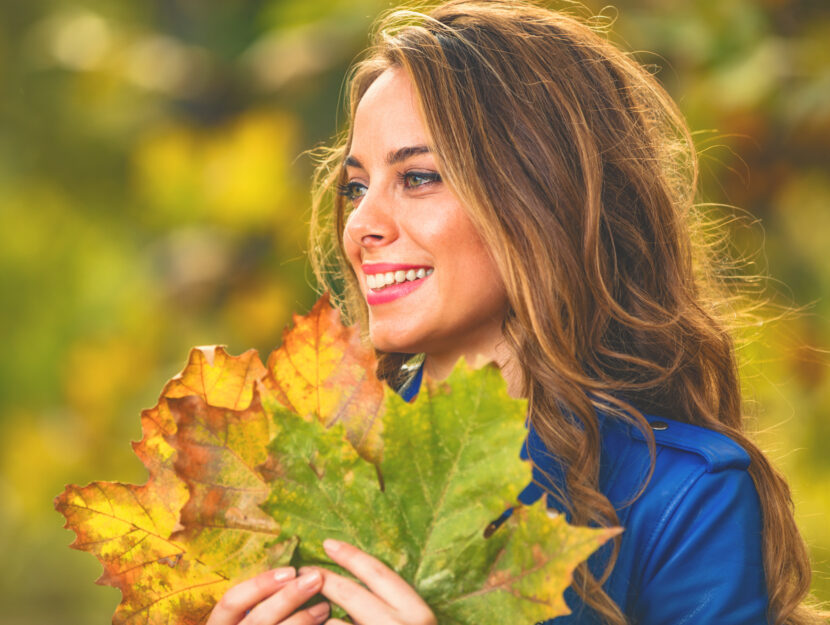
(323, 369)
(222, 380)
(165, 574)
(129, 527)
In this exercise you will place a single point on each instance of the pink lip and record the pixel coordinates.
(373, 268)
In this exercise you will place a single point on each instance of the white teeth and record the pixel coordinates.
(379, 281)
(429, 271)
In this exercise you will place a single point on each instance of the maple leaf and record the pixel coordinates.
(219, 436)
(252, 465)
(323, 369)
(129, 527)
(449, 466)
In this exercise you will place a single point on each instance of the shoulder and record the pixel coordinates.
(716, 451)
(695, 506)
(681, 443)
(695, 469)
(683, 453)
(689, 461)
(699, 506)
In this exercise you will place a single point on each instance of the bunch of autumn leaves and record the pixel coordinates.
(251, 466)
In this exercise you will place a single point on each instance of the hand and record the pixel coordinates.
(388, 600)
(271, 598)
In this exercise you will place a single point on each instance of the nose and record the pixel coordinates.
(371, 223)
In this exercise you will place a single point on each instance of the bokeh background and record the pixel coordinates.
(154, 195)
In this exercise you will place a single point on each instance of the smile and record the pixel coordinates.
(379, 281)
(386, 282)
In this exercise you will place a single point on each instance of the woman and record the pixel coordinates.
(513, 188)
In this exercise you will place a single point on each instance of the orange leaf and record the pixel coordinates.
(323, 369)
(221, 380)
(219, 452)
(128, 528)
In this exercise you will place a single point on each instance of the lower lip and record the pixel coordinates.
(393, 292)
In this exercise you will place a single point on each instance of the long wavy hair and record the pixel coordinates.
(580, 174)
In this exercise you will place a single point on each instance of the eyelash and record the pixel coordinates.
(428, 176)
(349, 189)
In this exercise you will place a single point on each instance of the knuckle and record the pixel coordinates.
(376, 568)
(263, 582)
(338, 584)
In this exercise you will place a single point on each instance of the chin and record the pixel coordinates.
(392, 341)
(391, 346)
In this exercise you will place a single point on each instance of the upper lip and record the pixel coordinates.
(373, 268)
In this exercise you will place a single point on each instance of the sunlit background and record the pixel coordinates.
(154, 195)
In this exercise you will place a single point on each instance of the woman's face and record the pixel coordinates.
(429, 281)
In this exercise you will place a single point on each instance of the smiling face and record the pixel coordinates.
(429, 281)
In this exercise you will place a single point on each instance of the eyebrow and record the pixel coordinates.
(394, 157)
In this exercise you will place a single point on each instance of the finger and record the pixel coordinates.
(281, 605)
(242, 597)
(311, 616)
(336, 621)
(361, 604)
(380, 579)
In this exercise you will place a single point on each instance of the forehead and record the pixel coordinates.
(387, 117)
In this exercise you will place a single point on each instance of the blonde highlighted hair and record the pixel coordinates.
(580, 174)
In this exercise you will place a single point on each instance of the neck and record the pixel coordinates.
(439, 366)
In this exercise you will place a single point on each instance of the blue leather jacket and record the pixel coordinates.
(691, 549)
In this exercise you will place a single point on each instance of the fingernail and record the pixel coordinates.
(284, 574)
(331, 545)
(308, 580)
(319, 611)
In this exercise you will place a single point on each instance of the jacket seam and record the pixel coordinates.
(663, 521)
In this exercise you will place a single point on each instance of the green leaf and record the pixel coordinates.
(450, 466)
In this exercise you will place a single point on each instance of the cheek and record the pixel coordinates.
(446, 232)
(467, 251)
(472, 276)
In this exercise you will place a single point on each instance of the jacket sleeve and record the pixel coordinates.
(703, 562)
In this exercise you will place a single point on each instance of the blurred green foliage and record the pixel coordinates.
(154, 196)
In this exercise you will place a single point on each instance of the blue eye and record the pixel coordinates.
(351, 191)
(414, 179)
